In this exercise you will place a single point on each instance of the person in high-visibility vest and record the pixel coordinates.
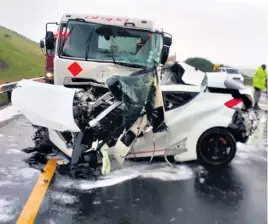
(259, 84)
(216, 67)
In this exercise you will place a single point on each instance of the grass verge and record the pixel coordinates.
(20, 57)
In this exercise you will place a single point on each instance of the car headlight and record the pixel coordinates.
(49, 75)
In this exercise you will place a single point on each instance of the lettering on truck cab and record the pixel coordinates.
(109, 19)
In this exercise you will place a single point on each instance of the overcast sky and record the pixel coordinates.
(233, 32)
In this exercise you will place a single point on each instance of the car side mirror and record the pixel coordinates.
(42, 44)
(50, 41)
(164, 56)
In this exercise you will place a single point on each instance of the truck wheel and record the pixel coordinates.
(216, 148)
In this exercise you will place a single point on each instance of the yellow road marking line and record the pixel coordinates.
(33, 204)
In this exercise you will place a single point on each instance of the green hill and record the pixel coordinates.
(19, 57)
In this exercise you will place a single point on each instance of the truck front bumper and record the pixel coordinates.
(49, 81)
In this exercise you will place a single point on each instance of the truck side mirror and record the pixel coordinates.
(167, 41)
(50, 41)
(42, 44)
(164, 56)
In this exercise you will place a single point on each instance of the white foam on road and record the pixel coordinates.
(14, 151)
(160, 172)
(8, 207)
(19, 174)
(26, 173)
(13, 145)
(62, 197)
(5, 183)
(8, 112)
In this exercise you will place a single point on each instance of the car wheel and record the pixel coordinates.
(216, 147)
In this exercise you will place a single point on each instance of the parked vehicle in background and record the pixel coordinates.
(232, 73)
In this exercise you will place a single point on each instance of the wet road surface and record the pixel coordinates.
(140, 193)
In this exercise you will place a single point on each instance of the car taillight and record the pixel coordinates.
(233, 103)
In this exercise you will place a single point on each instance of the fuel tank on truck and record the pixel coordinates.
(46, 105)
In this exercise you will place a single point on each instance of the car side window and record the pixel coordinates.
(174, 100)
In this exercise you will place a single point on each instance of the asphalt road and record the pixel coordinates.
(140, 193)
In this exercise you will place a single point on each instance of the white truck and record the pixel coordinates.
(95, 47)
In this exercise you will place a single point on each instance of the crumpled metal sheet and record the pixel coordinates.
(137, 92)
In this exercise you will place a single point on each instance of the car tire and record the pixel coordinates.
(227, 142)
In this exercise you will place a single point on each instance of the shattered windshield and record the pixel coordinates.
(90, 41)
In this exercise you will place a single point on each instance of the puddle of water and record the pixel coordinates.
(160, 172)
(8, 112)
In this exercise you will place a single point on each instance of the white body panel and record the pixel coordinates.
(216, 79)
(46, 105)
(191, 75)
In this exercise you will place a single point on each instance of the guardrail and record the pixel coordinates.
(11, 85)
(8, 87)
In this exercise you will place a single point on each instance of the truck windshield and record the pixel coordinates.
(97, 42)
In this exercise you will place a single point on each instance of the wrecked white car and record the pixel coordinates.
(138, 117)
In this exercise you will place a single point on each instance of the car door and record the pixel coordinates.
(175, 98)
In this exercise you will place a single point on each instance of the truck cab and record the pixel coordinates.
(96, 47)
